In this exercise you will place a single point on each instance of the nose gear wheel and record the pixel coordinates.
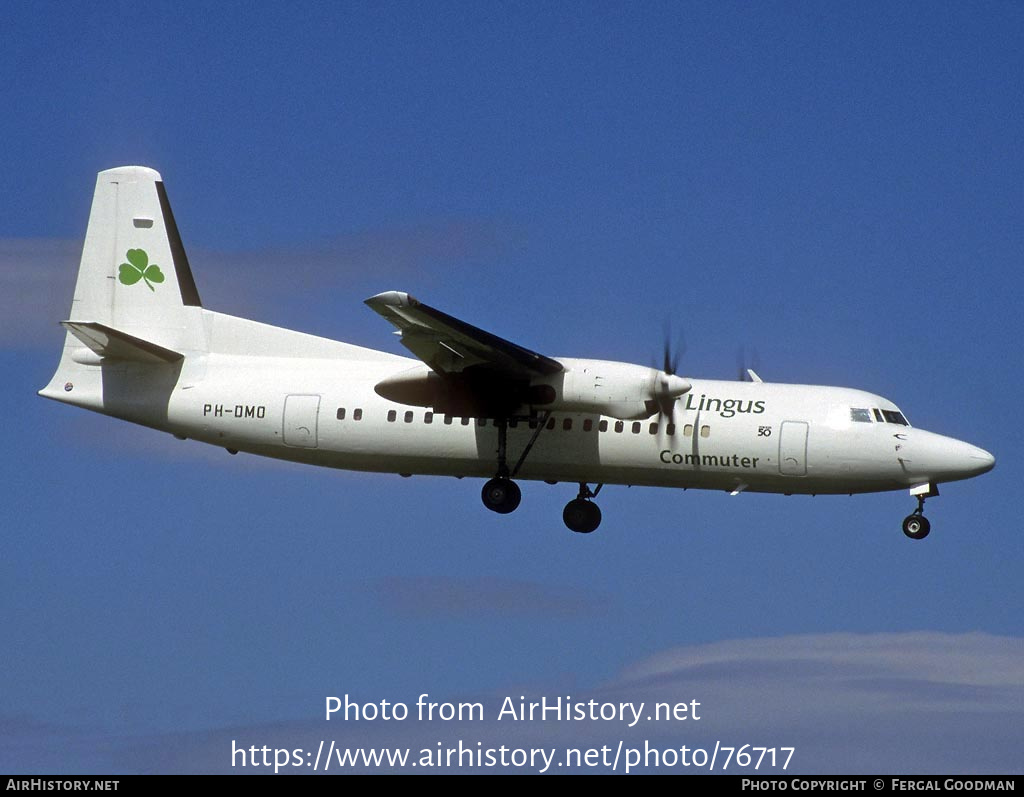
(916, 525)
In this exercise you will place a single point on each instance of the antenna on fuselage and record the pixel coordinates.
(744, 372)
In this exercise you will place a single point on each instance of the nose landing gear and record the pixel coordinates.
(916, 525)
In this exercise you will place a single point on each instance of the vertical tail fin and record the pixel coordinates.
(135, 298)
(134, 275)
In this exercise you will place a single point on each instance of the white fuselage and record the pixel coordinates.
(250, 392)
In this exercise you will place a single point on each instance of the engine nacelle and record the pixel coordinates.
(467, 395)
(597, 387)
(603, 387)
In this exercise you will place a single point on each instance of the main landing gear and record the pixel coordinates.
(580, 515)
(916, 525)
(502, 495)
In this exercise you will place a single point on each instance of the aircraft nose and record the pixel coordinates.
(980, 461)
(944, 459)
(963, 461)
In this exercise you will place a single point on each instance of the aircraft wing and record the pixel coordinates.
(450, 346)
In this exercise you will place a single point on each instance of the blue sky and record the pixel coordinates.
(838, 187)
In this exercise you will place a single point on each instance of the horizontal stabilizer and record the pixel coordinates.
(116, 345)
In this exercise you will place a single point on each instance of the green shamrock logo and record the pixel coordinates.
(138, 268)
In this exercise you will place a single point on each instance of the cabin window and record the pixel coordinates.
(859, 415)
(408, 416)
(654, 428)
(619, 426)
(447, 420)
(636, 427)
(688, 430)
(705, 431)
(428, 417)
(341, 413)
(481, 421)
(391, 416)
(551, 423)
(603, 426)
(512, 423)
(465, 421)
(588, 425)
(357, 414)
(895, 417)
(567, 425)
(670, 429)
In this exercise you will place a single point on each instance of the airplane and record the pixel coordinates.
(140, 347)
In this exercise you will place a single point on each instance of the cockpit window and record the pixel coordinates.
(878, 414)
(862, 416)
(895, 417)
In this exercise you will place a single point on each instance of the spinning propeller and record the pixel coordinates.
(667, 386)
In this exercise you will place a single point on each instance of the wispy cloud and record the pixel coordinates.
(976, 659)
(37, 276)
(37, 279)
(284, 284)
(895, 703)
